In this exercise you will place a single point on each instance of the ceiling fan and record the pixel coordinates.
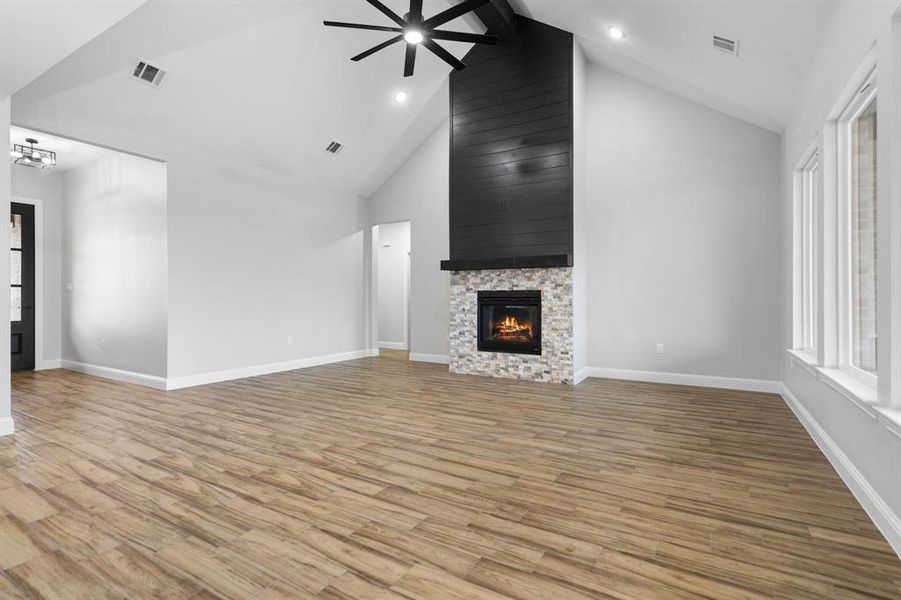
(414, 30)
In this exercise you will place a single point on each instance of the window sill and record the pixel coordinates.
(863, 396)
(804, 359)
(891, 418)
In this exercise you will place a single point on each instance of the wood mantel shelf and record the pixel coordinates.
(513, 262)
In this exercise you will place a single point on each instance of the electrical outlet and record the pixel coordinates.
(659, 348)
(69, 287)
(290, 340)
(103, 343)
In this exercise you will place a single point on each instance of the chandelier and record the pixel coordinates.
(30, 156)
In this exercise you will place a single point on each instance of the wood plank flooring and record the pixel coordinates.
(382, 479)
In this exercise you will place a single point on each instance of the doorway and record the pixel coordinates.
(393, 287)
(21, 288)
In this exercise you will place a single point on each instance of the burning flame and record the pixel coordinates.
(511, 329)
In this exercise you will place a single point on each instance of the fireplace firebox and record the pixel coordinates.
(510, 321)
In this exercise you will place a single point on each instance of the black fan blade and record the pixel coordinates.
(359, 26)
(443, 54)
(409, 60)
(375, 49)
(388, 12)
(416, 10)
(454, 12)
(456, 36)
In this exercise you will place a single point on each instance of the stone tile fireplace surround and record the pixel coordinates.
(555, 364)
(513, 115)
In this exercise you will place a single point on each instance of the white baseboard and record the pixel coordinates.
(44, 365)
(888, 523)
(7, 427)
(177, 383)
(393, 345)
(442, 359)
(728, 383)
(580, 376)
(153, 381)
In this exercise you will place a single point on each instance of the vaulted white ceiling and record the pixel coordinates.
(36, 34)
(267, 83)
(262, 81)
(668, 44)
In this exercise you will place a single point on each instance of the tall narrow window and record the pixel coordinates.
(863, 239)
(809, 252)
(858, 241)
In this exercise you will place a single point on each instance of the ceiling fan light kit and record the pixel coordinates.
(414, 30)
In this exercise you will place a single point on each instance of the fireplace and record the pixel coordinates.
(510, 321)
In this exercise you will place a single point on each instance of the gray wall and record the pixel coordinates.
(6, 420)
(45, 185)
(393, 245)
(418, 192)
(257, 256)
(679, 243)
(114, 258)
(683, 210)
(581, 225)
(254, 255)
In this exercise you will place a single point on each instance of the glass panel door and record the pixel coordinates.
(21, 286)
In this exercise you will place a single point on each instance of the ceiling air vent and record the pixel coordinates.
(147, 73)
(725, 45)
(334, 147)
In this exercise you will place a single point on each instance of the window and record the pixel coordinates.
(15, 272)
(857, 166)
(863, 239)
(809, 263)
(810, 200)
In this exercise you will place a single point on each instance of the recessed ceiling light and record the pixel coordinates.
(413, 36)
(401, 97)
(616, 32)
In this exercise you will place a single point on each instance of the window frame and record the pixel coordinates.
(808, 259)
(865, 93)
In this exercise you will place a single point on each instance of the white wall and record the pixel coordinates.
(683, 211)
(45, 185)
(418, 192)
(393, 249)
(114, 258)
(863, 441)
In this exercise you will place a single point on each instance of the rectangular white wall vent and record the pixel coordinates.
(147, 73)
(725, 45)
(334, 147)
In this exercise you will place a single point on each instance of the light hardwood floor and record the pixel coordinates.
(383, 479)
